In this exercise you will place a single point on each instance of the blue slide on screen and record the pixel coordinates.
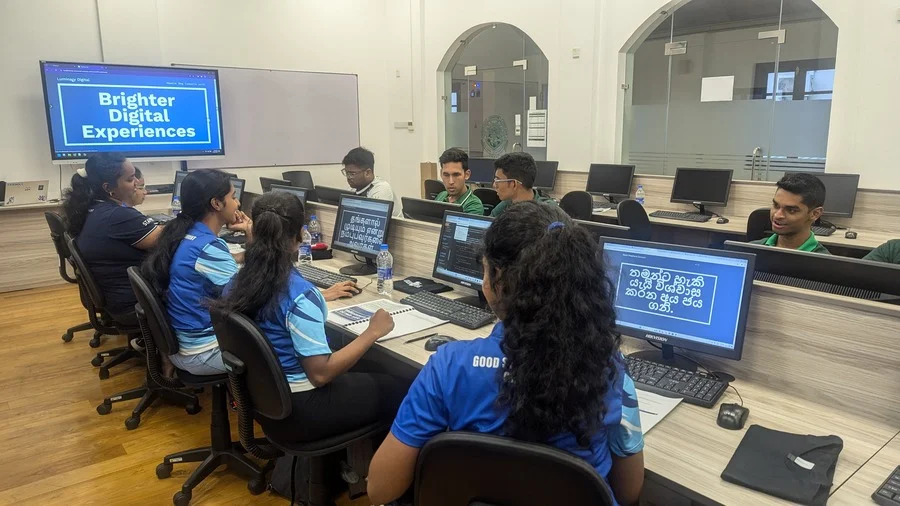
(138, 111)
(685, 295)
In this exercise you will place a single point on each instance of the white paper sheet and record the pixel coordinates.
(717, 89)
(654, 408)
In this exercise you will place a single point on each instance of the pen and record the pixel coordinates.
(648, 412)
(419, 338)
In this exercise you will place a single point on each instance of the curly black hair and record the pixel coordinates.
(101, 168)
(560, 339)
(518, 165)
(455, 155)
(361, 157)
(810, 188)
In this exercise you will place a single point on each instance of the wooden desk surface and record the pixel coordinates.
(688, 447)
(864, 483)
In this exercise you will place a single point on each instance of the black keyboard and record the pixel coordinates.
(458, 313)
(321, 277)
(234, 238)
(604, 206)
(694, 387)
(162, 218)
(888, 494)
(823, 231)
(672, 215)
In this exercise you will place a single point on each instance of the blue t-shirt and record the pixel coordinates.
(106, 243)
(297, 329)
(458, 388)
(201, 267)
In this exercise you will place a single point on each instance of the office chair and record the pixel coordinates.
(488, 197)
(634, 216)
(468, 468)
(578, 204)
(759, 224)
(159, 338)
(432, 188)
(101, 320)
(57, 229)
(261, 392)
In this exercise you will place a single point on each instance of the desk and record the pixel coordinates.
(869, 477)
(828, 376)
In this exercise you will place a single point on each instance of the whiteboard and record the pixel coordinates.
(284, 117)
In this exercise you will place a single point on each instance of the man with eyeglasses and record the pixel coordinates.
(359, 169)
(514, 175)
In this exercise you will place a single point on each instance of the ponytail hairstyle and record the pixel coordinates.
(278, 220)
(198, 190)
(560, 340)
(87, 187)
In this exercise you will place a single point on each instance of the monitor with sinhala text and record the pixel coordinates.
(300, 193)
(482, 170)
(610, 180)
(546, 175)
(693, 298)
(704, 187)
(457, 260)
(840, 194)
(361, 225)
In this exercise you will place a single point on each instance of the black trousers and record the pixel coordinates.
(358, 397)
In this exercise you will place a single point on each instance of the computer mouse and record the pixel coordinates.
(722, 220)
(850, 234)
(433, 343)
(732, 416)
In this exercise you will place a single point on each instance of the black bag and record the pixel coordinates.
(280, 483)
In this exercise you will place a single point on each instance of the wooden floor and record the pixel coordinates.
(55, 448)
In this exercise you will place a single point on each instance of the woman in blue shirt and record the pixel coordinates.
(330, 392)
(550, 372)
(191, 265)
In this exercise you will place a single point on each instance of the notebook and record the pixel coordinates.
(407, 320)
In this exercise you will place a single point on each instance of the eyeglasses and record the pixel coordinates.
(350, 173)
(496, 181)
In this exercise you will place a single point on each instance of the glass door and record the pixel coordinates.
(496, 119)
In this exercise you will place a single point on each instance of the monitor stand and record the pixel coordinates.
(824, 223)
(475, 300)
(701, 209)
(666, 356)
(366, 269)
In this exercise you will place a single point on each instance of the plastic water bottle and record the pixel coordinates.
(176, 205)
(385, 263)
(306, 247)
(315, 229)
(639, 194)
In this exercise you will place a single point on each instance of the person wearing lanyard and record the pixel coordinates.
(797, 204)
(454, 173)
(359, 169)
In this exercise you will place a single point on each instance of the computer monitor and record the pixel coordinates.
(329, 195)
(851, 277)
(426, 210)
(601, 230)
(610, 181)
(482, 170)
(179, 178)
(299, 178)
(694, 298)
(840, 194)
(238, 187)
(702, 187)
(361, 227)
(546, 175)
(300, 193)
(267, 182)
(457, 260)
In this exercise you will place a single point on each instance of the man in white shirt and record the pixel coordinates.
(359, 169)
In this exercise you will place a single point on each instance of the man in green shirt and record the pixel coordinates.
(888, 252)
(797, 204)
(454, 173)
(514, 175)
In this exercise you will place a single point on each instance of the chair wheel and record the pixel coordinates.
(67, 337)
(132, 422)
(104, 408)
(257, 485)
(193, 408)
(95, 341)
(104, 374)
(97, 361)
(182, 499)
(163, 471)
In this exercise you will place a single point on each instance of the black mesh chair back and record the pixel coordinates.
(432, 188)
(247, 351)
(633, 215)
(152, 314)
(488, 197)
(578, 205)
(759, 224)
(464, 468)
(299, 178)
(94, 296)
(57, 229)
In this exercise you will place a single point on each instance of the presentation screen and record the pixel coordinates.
(143, 112)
